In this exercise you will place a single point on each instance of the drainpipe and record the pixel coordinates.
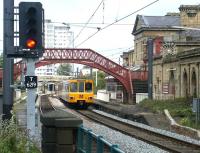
(150, 67)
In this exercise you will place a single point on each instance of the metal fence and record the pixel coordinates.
(89, 142)
(196, 108)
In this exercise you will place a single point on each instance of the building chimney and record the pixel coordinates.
(190, 15)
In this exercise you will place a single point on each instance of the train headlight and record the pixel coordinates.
(71, 98)
(90, 98)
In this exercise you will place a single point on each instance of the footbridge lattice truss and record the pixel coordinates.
(90, 58)
(85, 57)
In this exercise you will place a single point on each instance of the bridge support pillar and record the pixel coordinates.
(130, 99)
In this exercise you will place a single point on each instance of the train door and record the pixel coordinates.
(66, 91)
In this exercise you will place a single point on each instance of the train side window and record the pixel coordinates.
(73, 87)
(81, 86)
(88, 87)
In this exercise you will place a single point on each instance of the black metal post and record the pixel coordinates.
(91, 75)
(150, 67)
(8, 45)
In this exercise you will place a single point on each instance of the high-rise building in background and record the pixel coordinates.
(57, 35)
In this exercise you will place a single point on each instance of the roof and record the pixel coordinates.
(156, 21)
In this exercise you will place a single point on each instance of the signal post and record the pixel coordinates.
(31, 47)
(31, 23)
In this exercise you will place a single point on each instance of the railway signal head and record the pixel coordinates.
(30, 26)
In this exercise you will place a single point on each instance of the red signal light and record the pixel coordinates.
(31, 43)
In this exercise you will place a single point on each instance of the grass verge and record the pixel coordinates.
(180, 109)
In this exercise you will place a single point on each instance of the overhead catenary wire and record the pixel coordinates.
(121, 51)
(88, 21)
(96, 23)
(114, 49)
(116, 22)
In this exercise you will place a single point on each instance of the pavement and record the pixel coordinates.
(20, 111)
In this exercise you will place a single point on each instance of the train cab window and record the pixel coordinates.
(81, 86)
(88, 87)
(66, 87)
(73, 87)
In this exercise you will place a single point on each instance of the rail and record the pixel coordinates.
(85, 139)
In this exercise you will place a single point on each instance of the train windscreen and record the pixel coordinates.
(88, 87)
(81, 86)
(73, 87)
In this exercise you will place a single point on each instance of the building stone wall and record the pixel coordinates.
(190, 15)
(186, 82)
(176, 68)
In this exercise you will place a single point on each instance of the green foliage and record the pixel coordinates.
(64, 69)
(100, 80)
(14, 140)
(179, 108)
(185, 121)
(190, 122)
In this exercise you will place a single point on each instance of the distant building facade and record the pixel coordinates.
(176, 54)
(57, 35)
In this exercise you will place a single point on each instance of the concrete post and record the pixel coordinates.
(31, 97)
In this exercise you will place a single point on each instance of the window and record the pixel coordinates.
(66, 87)
(88, 87)
(73, 87)
(81, 86)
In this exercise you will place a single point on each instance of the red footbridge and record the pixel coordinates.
(86, 57)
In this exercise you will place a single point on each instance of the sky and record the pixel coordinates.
(113, 40)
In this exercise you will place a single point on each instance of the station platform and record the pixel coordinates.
(153, 120)
(20, 114)
(19, 109)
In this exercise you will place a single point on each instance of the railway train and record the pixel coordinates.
(77, 92)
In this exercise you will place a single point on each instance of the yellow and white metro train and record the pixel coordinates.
(77, 92)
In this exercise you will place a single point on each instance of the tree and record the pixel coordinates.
(101, 83)
(64, 69)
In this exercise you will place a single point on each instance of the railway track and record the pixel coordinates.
(157, 139)
(46, 105)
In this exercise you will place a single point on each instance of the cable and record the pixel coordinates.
(100, 23)
(114, 49)
(87, 21)
(117, 21)
(124, 50)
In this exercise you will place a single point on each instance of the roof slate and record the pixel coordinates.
(156, 21)
(160, 21)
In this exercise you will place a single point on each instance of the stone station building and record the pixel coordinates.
(176, 54)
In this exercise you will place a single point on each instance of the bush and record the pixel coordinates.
(15, 140)
(185, 121)
(179, 108)
(176, 107)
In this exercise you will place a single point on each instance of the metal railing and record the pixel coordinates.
(89, 142)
